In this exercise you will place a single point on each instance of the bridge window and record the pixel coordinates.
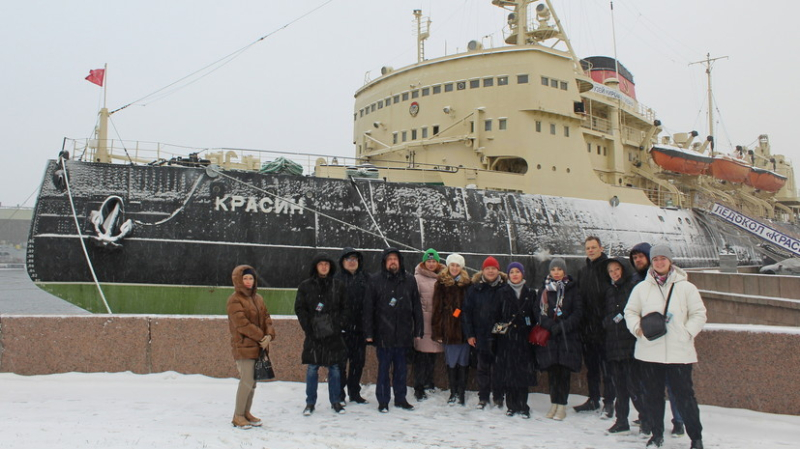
(487, 125)
(426, 91)
(388, 101)
(488, 82)
(414, 94)
(522, 79)
(437, 89)
(502, 80)
(405, 96)
(564, 85)
(380, 104)
(397, 99)
(502, 124)
(448, 87)
(545, 81)
(474, 84)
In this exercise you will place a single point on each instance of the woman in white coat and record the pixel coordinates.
(673, 353)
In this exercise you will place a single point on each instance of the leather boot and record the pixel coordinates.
(240, 422)
(255, 422)
(452, 379)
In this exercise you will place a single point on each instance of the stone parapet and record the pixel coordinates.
(752, 367)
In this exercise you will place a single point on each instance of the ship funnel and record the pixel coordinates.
(474, 45)
(385, 70)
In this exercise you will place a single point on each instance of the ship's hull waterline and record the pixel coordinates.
(191, 226)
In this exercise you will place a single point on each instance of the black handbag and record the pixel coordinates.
(654, 324)
(263, 370)
(322, 325)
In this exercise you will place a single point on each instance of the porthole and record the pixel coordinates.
(538, 166)
(553, 168)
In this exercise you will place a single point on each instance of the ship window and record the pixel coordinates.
(372, 108)
(397, 99)
(588, 147)
(435, 129)
(538, 126)
(414, 94)
(388, 101)
(502, 80)
(687, 221)
(474, 84)
(563, 85)
(426, 91)
(366, 110)
(566, 131)
(472, 127)
(502, 124)
(554, 83)
(598, 150)
(425, 133)
(413, 134)
(487, 125)
(522, 79)
(361, 113)
(545, 81)
(437, 89)
(553, 129)
(461, 85)
(448, 87)
(380, 104)
(405, 96)
(355, 116)
(604, 151)
(405, 136)
(394, 138)
(488, 82)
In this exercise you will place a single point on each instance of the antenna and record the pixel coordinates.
(709, 63)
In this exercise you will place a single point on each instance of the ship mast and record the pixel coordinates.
(423, 32)
(709, 63)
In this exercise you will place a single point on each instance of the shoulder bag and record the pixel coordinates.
(654, 324)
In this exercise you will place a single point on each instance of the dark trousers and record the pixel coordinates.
(680, 379)
(625, 377)
(353, 365)
(559, 377)
(393, 359)
(594, 356)
(423, 369)
(487, 381)
(517, 399)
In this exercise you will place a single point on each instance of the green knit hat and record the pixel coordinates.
(430, 254)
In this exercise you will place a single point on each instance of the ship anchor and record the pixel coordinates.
(106, 223)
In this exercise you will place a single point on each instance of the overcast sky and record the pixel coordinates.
(293, 91)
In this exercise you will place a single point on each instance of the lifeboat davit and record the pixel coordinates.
(765, 180)
(679, 160)
(730, 169)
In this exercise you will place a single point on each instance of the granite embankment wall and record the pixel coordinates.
(740, 366)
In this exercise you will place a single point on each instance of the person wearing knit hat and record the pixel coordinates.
(430, 254)
(427, 349)
(667, 290)
(455, 258)
(490, 262)
(661, 250)
(514, 358)
(559, 310)
(558, 263)
(477, 320)
(448, 303)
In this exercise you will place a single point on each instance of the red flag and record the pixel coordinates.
(96, 76)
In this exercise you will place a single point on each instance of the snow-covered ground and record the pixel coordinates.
(171, 410)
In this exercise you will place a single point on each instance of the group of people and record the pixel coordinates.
(592, 318)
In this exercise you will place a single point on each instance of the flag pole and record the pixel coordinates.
(105, 84)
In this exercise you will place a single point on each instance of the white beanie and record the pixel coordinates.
(455, 258)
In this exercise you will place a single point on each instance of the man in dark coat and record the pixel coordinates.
(477, 319)
(320, 309)
(351, 274)
(592, 282)
(392, 320)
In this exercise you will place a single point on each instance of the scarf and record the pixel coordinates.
(517, 287)
(551, 285)
(661, 280)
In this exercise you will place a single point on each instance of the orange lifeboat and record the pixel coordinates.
(680, 160)
(765, 180)
(730, 169)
